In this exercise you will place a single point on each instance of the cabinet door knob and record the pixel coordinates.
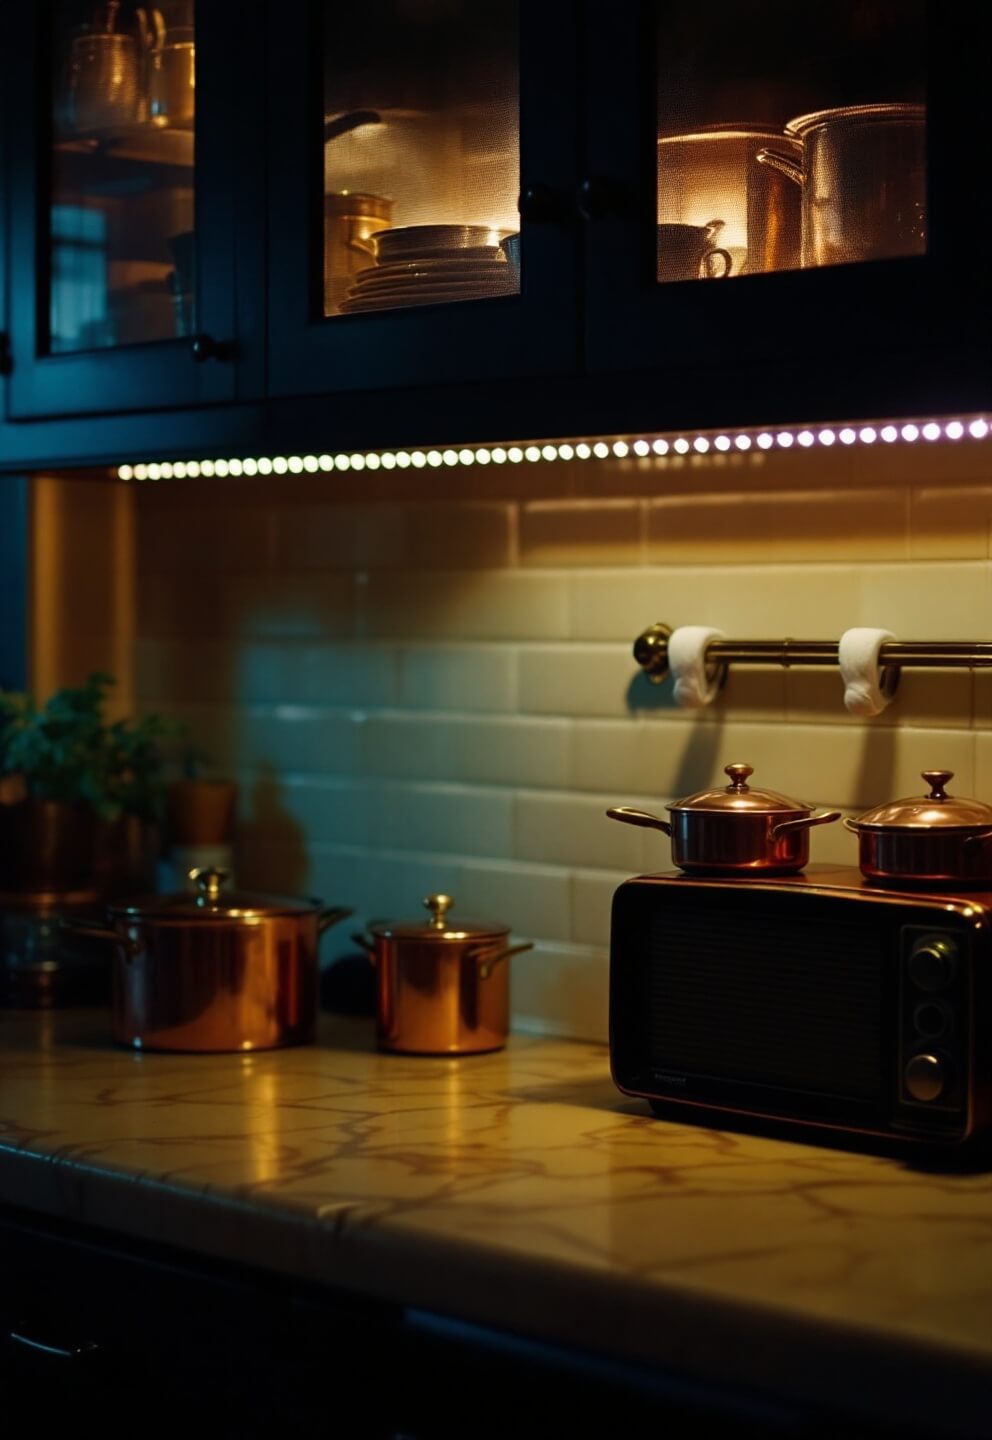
(540, 204)
(205, 347)
(598, 196)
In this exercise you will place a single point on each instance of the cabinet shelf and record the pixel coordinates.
(133, 145)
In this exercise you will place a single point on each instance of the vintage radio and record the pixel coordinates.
(816, 998)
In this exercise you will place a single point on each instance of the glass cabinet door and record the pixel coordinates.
(781, 203)
(120, 203)
(121, 209)
(789, 136)
(405, 255)
(421, 154)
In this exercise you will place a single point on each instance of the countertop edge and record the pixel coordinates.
(354, 1248)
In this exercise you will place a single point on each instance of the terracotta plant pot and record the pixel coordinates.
(47, 845)
(201, 812)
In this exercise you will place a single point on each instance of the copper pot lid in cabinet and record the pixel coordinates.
(935, 811)
(739, 798)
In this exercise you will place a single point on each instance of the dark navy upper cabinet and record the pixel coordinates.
(127, 138)
(484, 219)
(781, 214)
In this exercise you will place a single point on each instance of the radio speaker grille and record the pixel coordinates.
(785, 1004)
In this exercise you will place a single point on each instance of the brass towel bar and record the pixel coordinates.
(651, 652)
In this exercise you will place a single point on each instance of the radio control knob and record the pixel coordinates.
(931, 965)
(924, 1078)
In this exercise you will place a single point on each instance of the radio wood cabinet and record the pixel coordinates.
(469, 219)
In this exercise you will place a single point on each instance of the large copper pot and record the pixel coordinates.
(863, 179)
(214, 972)
(934, 839)
(443, 987)
(735, 830)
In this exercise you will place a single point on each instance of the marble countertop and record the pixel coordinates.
(520, 1190)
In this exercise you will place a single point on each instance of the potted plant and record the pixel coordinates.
(80, 799)
(52, 760)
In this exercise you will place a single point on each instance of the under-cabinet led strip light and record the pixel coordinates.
(642, 448)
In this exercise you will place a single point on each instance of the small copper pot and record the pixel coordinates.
(214, 972)
(735, 830)
(934, 839)
(443, 988)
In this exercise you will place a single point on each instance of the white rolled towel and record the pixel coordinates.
(860, 670)
(696, 683)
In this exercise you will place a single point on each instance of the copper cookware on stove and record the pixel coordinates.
(934, 839)
(443, 985)
(215, 971)
(735, 830)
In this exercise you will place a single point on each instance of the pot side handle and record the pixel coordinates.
(980, 839)
(489, 962)
(330, 915)
(851, 825)
(364, 943)
(638, 817)
(129, 946)
(784, 164)
(806, 822)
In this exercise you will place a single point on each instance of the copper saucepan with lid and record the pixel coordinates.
(218, 971)
(443, 986)
(735, 830)
(934, 839)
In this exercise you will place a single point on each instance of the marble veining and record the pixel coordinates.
(516, 1189)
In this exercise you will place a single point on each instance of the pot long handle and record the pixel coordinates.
(130, 947)
(639, 817)
(784, 164)
(489, 962)
(806, 822)
(330, 915)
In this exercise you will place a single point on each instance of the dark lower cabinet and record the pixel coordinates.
(98, 1336)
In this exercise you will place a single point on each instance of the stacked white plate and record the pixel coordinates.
(430, 265)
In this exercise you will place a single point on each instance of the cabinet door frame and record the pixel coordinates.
(534, 333)
(126, 378)
(835, 342)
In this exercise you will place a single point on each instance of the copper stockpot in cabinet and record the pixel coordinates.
(735, 830)
(933, 839)
(443, 988)
(214, 972)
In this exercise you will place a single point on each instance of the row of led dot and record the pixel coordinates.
(978, 429)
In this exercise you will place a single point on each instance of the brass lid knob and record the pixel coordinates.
(438, 905)
(937, 779)
(208, 881)
(738, 776)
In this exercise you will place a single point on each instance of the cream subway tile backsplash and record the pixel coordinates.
(788, 526)
(561, 532)
(458, 677)
(438, 693)
(576, 679)
(456, 605)
(460, 537)
(950, 523)
(330, 537)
